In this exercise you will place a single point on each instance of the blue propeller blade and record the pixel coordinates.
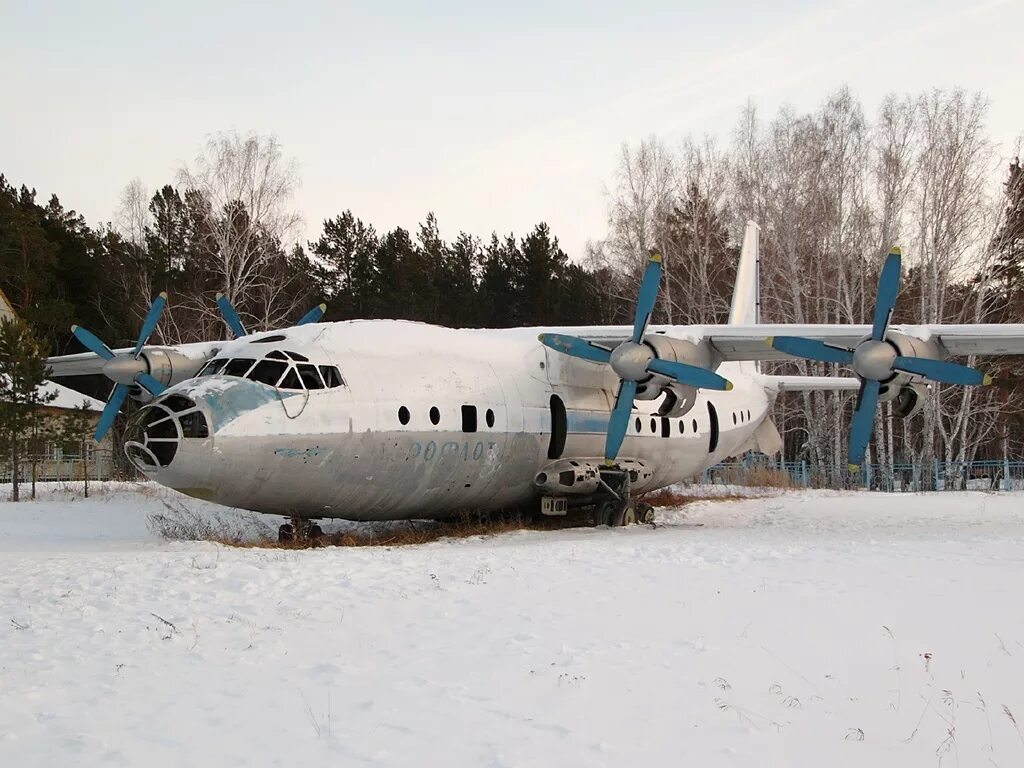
(888, 289)
(313, 315)
(693, 375)
(149, 325)
(92, 342)
(575, 347)
(940, 370)
(230, 316)
(619, 422)
(151, 385)
(811, 349)
(110, 411)
(863, 422)
(648, 295)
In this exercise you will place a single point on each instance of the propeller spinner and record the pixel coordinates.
(876, 361)
(125, 370)
(633, 361)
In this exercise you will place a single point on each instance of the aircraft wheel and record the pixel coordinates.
(645, 514)
(285, 533)
(603, 513)
(625, 516)
(314, 531)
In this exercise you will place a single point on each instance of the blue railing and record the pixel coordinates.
(994, 475)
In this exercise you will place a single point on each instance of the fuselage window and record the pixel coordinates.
(748, 415)
(435, 415)
(489, 417)
(637, 425)
(666, 427)
(734, 417)
(238, 367)
(403, 415)
(682, 427)
(654, 426)
(332, 376)
(291, 380)
(694, 426)
(469, 418)
(310, 377)
(267, 371)
(297, 356)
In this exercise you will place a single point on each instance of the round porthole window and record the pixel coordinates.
(489, 417)
(435, 415)
(403, 415)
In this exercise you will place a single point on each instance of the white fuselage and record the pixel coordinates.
(429, 421)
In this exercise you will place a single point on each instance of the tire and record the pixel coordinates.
(314, 531)
(626, 515)
(645, 514)
(603, 512)
(285, 533)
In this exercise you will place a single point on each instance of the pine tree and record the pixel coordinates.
(75, 430)
(22, 373)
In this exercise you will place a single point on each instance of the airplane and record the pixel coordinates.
(388, 419)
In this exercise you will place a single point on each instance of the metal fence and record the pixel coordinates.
(987, 475)
(99, 464)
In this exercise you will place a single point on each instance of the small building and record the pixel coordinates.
(57, 461)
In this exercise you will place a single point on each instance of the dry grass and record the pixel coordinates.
(179, 522)
(760, 477)
(668, 497)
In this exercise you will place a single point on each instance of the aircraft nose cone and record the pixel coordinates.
(155, 433)
(123, 369)
(629, 360)
(874, 360)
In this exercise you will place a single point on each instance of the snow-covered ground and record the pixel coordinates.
(805, 629)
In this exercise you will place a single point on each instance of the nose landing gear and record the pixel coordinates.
(617, 508)
(299, 529)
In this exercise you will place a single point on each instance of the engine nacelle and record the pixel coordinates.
(170, 367)
(679, 398)
(908, 346)
(910, 400)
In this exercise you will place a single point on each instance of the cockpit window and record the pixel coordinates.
(277, 354)
(332, 377)
(290, 380)
(213, 367)
(267, 371)
(238, 367)
(310, 377)
(297, 356)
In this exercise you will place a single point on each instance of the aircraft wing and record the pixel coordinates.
(89, 363)
(750, 342)
(738, 342)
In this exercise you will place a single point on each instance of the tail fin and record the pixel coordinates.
(746, 296)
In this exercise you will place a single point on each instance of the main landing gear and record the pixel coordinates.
(299, 529)
(616, 508)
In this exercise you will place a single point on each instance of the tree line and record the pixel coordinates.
(832, 189)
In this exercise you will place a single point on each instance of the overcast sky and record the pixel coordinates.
(493, 117)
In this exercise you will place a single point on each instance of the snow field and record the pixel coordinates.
(804, 629)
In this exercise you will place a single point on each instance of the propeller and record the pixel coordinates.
(876, 361)
(633, 361)
(234, 322)
(124, 370)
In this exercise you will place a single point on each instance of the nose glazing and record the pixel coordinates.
(155, 432)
